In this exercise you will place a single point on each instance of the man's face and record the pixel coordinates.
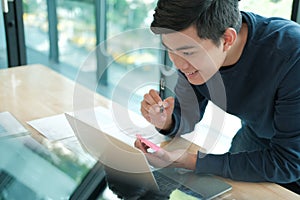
(198, 59)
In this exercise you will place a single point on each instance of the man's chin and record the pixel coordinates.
(196, 82)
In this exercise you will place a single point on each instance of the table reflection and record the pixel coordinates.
(118, 187)
(33, 170)
(124, 189)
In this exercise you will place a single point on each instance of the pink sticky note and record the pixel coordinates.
(148, 143)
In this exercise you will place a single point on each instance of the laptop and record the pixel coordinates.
(129, 165)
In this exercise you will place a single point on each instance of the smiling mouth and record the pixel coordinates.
(190, 73)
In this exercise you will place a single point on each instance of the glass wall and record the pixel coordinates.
(133, 49)
(76, 30)
(35, 19)
(268, 8)
(3, 54)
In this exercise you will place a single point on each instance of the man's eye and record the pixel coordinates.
(188, 53)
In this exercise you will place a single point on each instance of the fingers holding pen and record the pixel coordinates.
(157, 111)
(167, 103)
(148, 98)
(155, 96)
(152, 102)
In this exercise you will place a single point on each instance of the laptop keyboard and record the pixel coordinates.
(165, 183)
(168, 185)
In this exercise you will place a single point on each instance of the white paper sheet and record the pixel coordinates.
(54, 127)
(57, 128)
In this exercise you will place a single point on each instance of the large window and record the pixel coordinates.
(268, 8)
(134, 51)
(36, 30)
(3, 55)
(131, 53)
(76, 30)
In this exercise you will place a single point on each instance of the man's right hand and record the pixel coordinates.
(156, 111)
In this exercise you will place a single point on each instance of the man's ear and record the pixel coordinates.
(229, 37)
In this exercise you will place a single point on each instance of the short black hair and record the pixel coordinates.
(210, 17)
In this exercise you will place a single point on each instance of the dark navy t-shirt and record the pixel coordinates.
(263, 90)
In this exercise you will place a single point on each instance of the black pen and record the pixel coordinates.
(161, 93)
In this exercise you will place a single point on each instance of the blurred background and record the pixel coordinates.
(61, 34)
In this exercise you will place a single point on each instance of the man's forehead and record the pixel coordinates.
(178, 41)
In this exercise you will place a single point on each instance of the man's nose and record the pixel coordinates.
(178, 61)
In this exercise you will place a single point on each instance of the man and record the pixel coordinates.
(247, 65)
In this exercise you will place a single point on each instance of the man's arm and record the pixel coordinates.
(279, 163)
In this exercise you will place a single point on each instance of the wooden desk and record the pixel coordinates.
(34, 91)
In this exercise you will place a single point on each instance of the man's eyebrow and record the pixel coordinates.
(166, 46)
(179, 48)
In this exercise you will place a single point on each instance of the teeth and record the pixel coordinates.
(190, 73)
